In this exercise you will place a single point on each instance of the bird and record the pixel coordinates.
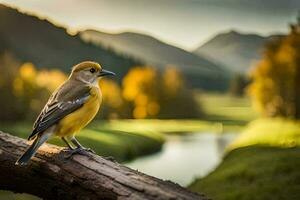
(69, 109)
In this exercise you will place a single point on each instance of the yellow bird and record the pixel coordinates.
(70, 108)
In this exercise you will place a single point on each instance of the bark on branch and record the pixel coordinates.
(50, 176)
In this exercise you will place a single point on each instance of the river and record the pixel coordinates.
(185, 157)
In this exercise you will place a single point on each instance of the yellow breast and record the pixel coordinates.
(75, 121)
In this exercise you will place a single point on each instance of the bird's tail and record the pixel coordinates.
(39, 140)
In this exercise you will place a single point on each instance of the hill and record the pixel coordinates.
(46, 45)
(234, 50)
(36, 40)
(199, 71)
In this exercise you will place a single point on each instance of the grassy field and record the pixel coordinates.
(263, 163)
(270, 132)
(160, 126)
(232, 112)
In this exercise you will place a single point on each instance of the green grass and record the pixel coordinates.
(271, 132)
(159, 126)
(254, 173)
(263, 163)
(232, 112)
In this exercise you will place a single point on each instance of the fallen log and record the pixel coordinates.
(50, 175)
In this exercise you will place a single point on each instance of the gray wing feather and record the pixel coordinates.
(64, 101)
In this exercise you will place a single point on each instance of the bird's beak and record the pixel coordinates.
(104, 72)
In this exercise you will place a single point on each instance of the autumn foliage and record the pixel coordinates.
(24, 89)
(144, 92)
(276, 79)
(152, 94)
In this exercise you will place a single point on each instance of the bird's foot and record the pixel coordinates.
(80, 151)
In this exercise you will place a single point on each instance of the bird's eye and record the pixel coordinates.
(92, 70)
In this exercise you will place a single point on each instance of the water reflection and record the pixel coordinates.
(185, 157)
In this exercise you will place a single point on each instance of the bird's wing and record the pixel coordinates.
(61, 103)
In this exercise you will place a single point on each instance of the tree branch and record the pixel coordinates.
(50, 176)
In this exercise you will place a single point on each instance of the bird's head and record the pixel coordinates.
(89, 72)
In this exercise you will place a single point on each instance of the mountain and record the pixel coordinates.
(199, 71)
(236, 51)
(36, 40)
(32, 39)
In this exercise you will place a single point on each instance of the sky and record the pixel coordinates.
(184, 23)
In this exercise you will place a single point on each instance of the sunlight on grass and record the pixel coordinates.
(158, 126)
(97, 135)
(272, 132)
(226, 107)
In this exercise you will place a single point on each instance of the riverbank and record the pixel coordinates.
(184, 157)
(263, 163)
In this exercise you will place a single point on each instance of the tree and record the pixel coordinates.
(141, 89)
(154, 94)
(276, 79)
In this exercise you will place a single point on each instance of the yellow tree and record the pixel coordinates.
(154, 94)
(140, 87)
(276, 78)
(32, 87)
